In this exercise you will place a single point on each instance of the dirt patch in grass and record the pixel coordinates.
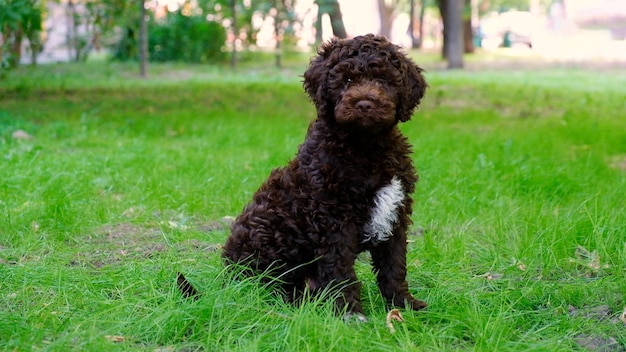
(618, 162)
(593, 342)
(598, 343)
(113, 244)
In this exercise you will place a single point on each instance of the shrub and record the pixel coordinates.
(187, 39)
(176, 38)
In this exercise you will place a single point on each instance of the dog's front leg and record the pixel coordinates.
(335, 273)
(389, 261)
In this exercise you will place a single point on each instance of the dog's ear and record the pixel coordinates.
(414, 88)
(316, 76)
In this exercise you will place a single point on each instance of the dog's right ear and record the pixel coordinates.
(413, 91)
(316, 76)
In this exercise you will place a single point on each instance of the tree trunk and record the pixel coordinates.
(412, 25)
(83, 49)
(453, 33)
(143, 41)
(468, 30)
(468, 36)
(3, 32)
(70, 37)
(443, 5)
(35, 47)
(233, 11)
(75, 36)
(421, 23)
(16, 46)
(336, 21)
(386, 18)
(330, 7)
(277, 34)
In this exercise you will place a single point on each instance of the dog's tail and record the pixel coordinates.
(186, 288)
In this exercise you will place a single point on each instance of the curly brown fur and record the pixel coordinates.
(348, 189)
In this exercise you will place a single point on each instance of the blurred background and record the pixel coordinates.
(222, 31)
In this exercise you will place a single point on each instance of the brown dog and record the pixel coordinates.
(348, 189)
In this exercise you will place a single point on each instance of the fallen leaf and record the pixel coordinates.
(589, 259)
(582, 253)
(114, 338)
(176, 225)
(622, 317)
(491, 276)
(520, 265)
(393, 314)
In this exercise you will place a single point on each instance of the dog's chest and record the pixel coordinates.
(384, 213)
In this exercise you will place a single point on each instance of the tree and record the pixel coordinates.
(281, 14)
(387, 16)
(237, 17)
(468, 28)
(452, 13)
(88, 22)
(188, 34)
(143, 40)
(389, 10)
(417, 42)
(19, 19)
(332, 9)
(284, 16)
(467, 32)
(235, 28)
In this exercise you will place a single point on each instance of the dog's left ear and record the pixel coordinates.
(316, 76)
(413, 91)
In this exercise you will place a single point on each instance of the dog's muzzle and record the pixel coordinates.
(366, 106)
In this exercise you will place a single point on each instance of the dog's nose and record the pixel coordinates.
(364, 105)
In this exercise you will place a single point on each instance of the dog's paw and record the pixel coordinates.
(416, 304)
(356, 317)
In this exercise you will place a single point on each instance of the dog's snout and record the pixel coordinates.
(365, 105)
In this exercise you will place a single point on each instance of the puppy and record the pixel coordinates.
(349, 187)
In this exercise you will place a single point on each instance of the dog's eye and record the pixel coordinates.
(349, 80)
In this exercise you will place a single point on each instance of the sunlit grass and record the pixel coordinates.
(520, 219)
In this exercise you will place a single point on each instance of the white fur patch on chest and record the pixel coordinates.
(384, 214)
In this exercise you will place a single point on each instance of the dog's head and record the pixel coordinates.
(366, 82)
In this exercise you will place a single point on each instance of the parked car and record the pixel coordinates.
(509, 29)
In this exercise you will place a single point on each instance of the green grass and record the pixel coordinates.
(520, 214)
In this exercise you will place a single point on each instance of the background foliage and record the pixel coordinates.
(177, 37)
(114, 24)
(19, 19)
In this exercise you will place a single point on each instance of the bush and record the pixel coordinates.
(176, 38)
(187, 39)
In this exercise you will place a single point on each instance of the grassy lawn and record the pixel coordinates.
(110, 184)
